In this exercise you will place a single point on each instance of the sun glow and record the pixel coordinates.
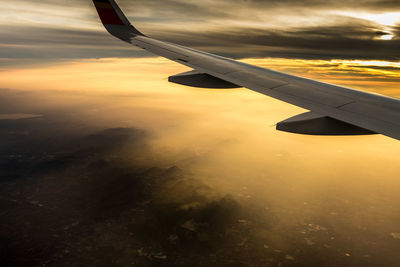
(387, 37)
(386, 19)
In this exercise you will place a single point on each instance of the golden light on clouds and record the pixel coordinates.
(123, 74)
(92, 74)
(226, 141)
(376, 76)
(146, 78)
(143, 81)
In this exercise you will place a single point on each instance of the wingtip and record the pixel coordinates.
(111, 15)
(107, 13)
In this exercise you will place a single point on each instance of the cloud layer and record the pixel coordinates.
(293, 29)
(188, 177)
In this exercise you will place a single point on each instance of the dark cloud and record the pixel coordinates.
(341, 42)
(195, 9)
(332, 37)
(49, 42)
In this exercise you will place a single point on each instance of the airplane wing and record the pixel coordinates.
(333, 110)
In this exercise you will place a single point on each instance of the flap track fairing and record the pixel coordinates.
(314, 124)
(202, 80)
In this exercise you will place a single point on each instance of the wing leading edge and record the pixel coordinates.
(331, 107)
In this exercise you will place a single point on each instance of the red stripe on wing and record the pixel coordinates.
(109, 16)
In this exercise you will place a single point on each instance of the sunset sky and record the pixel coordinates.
(351, 43)
(58, 63)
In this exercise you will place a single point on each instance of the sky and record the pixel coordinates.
(241, 29)
(78, 106)
(351, 43)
